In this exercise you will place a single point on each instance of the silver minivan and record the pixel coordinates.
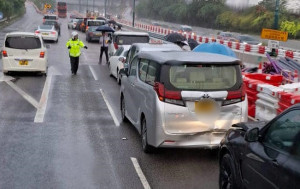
(182, 99)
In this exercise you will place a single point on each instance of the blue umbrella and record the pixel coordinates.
(215, 48)
(105, 28)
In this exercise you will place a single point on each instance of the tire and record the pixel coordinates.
(227, 176)
(110, 73)
(123, 110)
(118, 77)
(146, 147)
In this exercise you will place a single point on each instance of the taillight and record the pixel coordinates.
(42, 54)
(54, 32)
(4, 53)
(91, 34)
(116, 45)
(86, 29)
(165, 95)
(235, 96)
(37, 32)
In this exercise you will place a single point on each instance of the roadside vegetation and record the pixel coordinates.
(12, 8)
(216, 14)
(40, 3)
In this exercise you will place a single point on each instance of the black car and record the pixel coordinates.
(262, 155)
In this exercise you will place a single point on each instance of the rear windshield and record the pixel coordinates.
(46, 27)
(50, 17)
(61, 4)
(23, 42)
(50, 23)
(202, 77)
(95, 23)
(129, 40)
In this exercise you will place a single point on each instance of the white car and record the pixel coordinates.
(24, 52)
(116, 62)
(48, 32)
(72, 24)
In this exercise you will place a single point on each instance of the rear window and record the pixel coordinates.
(95, 23)
(50, 23)
(46, 27)
(202, 77)
(50, 17)
(129, 40)
(21, 42)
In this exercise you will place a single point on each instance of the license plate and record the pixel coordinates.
(98, 34)
(23, 62)
(45, 33)
(205, 106)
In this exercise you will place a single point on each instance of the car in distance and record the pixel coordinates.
(50, 17)
(53, 23)
(227, 36)
(24, 52)
(182, 99)
(184, 29)
(48, 32)
(126, 38)
(73, 23)
(94, 23)
(262, 155)
(246, 39)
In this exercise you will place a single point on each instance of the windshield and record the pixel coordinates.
(202, 77)
(20, 42)
(187, 29)
(129, 40)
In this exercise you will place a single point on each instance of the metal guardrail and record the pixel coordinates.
(3, 20)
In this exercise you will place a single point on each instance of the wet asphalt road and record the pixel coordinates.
(78, 145)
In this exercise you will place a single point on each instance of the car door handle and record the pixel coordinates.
(275, 163)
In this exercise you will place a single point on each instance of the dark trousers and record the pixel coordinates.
(103, 49)
(74, 64)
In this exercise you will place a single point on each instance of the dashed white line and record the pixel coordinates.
(93, 73)
(140, 173)
(27, 97)
(112, 113)
(40, 113)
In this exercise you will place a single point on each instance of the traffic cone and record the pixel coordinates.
(259, 68)
(296, 78)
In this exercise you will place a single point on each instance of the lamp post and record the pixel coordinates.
(105, 8)
(133, 13)
(276, 16)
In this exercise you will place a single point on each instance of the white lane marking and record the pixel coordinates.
(93, 73)
(112, 113)
(40, 113)
(27, 97)
(140, 173)
(5, 78)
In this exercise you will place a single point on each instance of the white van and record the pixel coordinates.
(24, 51)
(124, 38)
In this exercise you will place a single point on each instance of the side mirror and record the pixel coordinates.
(122, 59)
(124, 71)
(252, 135)
(47, 46)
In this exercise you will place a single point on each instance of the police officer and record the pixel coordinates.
(74, 45)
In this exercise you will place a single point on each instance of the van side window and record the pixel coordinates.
(143, 68)
(151, 73)
(133, 67)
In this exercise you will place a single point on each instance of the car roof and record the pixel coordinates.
(156, 47)
(183, 57)
(21, 33)
(131, 33)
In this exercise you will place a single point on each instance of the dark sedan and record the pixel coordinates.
(92, 34)
(262, 155)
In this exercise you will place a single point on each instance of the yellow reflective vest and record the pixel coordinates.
(75, 47)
